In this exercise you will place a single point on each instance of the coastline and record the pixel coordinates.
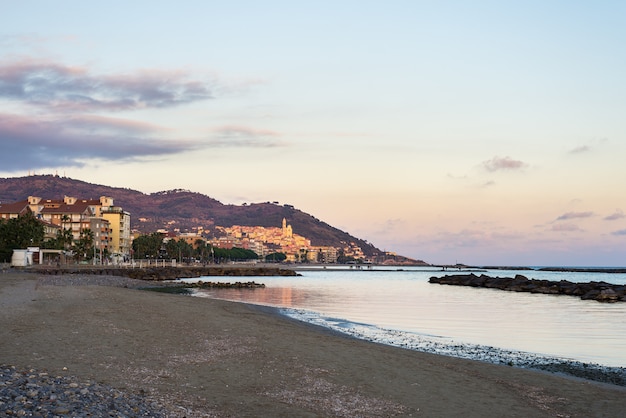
(206, 357)
(447, 347)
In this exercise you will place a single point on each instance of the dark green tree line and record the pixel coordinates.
(21, 232)
(179, 250)
(233, 254)
(147, 246)
(275, 257)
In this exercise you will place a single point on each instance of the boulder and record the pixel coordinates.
(599, 291)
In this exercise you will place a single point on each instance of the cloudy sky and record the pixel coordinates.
(482, 132)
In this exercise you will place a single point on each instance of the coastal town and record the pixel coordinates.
(102, 232)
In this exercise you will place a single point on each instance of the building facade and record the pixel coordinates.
(110, 224)
(119, 221)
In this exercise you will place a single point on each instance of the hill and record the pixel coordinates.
(182, 209)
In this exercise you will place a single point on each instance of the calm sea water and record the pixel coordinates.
(402, 301)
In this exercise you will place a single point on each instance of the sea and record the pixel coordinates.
(398, 306)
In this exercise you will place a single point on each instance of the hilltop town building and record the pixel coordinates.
(267, 240)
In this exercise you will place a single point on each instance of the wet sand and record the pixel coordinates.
(203, 357)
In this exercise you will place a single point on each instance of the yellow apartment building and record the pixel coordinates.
(120, 239)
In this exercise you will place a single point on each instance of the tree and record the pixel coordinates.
(343, 259)
(178, 249)
(65, 218)
(241, 254)
(201, 249)
(85, 244)
(234, 254)
(64, 240)
(303, 255)
(148, 245)
(275, 257)
(21, 232)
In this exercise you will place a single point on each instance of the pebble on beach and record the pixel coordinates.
(33, 393)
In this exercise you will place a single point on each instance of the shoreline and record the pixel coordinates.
(585, 370)
(207, 357)
(589, 371)
(613, 375)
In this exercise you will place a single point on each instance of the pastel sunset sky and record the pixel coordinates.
(481, 132)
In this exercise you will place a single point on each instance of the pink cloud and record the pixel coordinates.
(503, 163)
(64, 126)
(127, 125)
(48, 143)
(574, 215)
(55, 141)
(237, 136)
(581, 149)
(615, 216)
(244, 130)
(594, 143)
(565, 227)
(62, 87)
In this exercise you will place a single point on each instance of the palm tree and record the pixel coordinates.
(65, 235)
(201, 248)
(84, 245)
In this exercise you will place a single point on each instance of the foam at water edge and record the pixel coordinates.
(448, 347)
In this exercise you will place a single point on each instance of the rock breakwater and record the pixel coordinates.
(599, 291)
(170, 273)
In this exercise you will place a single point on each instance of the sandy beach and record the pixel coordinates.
(199, 357)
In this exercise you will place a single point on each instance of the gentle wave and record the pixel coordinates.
(558, 327)
(448, 347)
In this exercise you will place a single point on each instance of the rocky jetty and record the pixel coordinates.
(185, 288)
(584, 269)
(170, 273)
(599, 291)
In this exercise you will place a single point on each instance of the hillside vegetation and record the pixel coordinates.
(181, 209)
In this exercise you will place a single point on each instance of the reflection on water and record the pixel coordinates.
(287, 297)
(404, 300)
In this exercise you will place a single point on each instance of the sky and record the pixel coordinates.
(477, 132)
